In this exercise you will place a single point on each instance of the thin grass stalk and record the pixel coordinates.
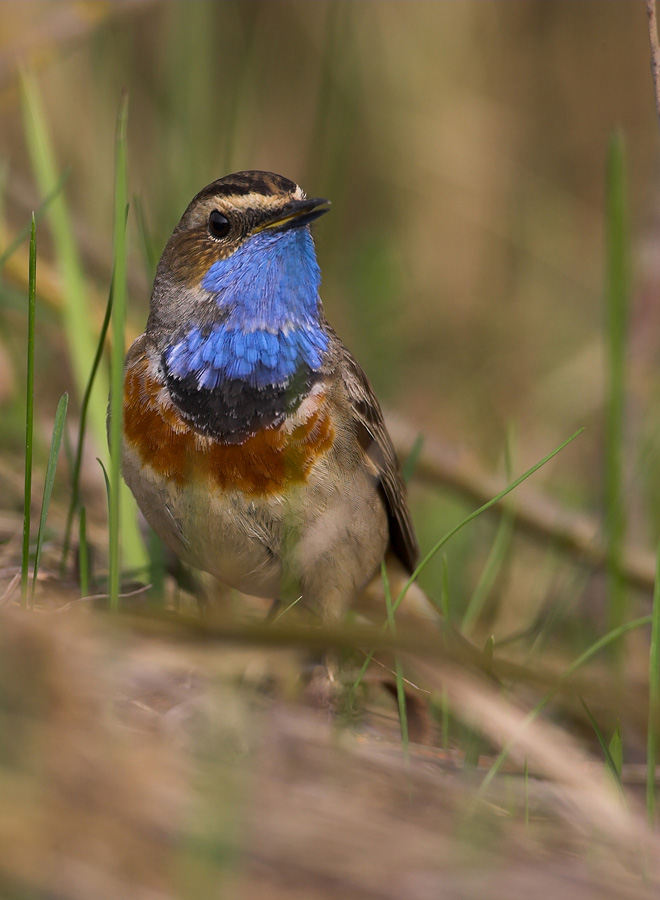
(477, 512)
(654, 699)
(82, 430)
(398, 670)
(584, 658)
(614, 769)
(496, 556)
(75, 314)
(51, 467)
(490, 571)
(446, 614)
(29, 412)
(117, 358)
(469, 518)
(37, 214)
(617, 303)
(83, 553)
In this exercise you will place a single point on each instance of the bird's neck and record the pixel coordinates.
(253, 363)
(271, 282)
(270, 322)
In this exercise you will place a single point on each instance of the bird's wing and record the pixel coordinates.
(377, 445)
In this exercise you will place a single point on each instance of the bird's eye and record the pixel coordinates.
(218, 224)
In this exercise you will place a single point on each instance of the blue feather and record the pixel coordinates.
(267, 292)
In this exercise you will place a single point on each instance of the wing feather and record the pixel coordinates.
(377, 445)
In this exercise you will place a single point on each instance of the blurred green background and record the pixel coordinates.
(463, 146)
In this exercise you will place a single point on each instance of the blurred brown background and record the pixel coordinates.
(463, 146)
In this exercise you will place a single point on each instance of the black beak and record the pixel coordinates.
(294, 215)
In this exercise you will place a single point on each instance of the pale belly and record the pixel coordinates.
(322, 539)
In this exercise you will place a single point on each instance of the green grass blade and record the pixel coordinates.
(495, 558)
(398, 670)
(617, 311)
(83, 553)
(82, 428)
(117, 359)
(654, 698)
(477, 512)
(446, 614)
(410, 463)
(473, 515)
(614, 635)
(76, 317)
(29, 412)
(612, 763)
(53, 454)
(25, 232)
(106, 479)
(490, 571)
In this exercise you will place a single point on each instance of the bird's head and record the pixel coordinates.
(236, 290)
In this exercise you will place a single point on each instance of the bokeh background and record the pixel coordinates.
(463, 146)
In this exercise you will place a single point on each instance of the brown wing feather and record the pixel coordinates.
(377, 444)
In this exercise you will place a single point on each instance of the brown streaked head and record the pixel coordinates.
(227, 212)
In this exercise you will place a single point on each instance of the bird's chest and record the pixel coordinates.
(267, 463)
(227, 508)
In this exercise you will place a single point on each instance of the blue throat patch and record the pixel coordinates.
(268, 293)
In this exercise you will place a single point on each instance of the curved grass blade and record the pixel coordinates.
(477, 512)
(469, 518)
(53, 454)
(612, 764)
(82, 426)
(75, 315)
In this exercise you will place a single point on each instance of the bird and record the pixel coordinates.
(253, 441)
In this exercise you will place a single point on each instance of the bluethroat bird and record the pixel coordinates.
(253, 442)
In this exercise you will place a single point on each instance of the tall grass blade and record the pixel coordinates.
(29, 412)
(613, 762)
(76, 317)
(477, 512)
(398, 670)
(490, 572)
(469, 518)
(83, 553)
(446, 614)
(617, 309)
(82, 429)
(654, 698)
(495, 559)
(117, 359)
(53, 454)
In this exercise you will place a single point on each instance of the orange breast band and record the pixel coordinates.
(263, 464)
